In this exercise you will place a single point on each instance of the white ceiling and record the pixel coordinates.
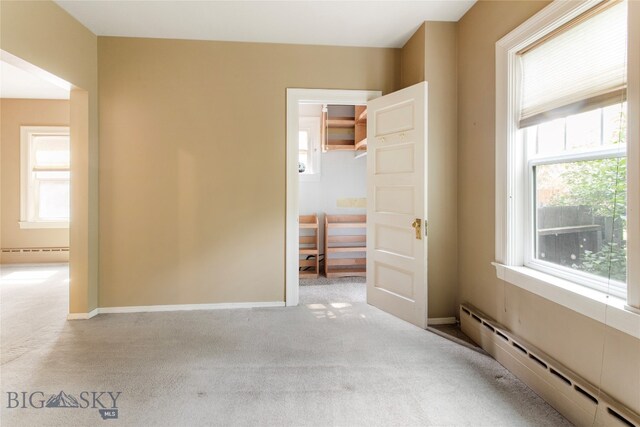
(340, 23)
(17, 83)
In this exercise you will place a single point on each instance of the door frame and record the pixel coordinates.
(82, 293)
(294, 98)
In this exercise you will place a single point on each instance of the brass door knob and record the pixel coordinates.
(417, 225)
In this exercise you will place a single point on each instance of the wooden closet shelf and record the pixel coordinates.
(341, 122)
(347, 272)
(308, 251)
(307, 225)
(331, 147)
(348, 225)
(361, 145)
(345, 243)
(308, 246)
(362, 117)
(338, 249)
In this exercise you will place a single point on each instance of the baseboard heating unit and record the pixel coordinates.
(575, 398)
(33, 250)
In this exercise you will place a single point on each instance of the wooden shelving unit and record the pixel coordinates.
(308, 252)
(342, 132)
(360, 128)
(341, 243)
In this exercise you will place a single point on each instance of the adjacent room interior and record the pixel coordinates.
(332, 202)
(261, 214)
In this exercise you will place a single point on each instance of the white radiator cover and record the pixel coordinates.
(34, 250)
(572, 396)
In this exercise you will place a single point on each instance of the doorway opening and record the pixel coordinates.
(332, 173)
(396, 198)
(326, 195)
(36, 188)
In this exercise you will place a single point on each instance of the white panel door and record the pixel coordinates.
(397, 203)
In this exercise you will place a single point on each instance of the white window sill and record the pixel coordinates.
(591, 303)
(309, 177)
(31, 224)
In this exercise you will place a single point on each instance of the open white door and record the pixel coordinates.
(397, 203)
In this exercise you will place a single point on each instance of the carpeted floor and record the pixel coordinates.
(327, 362)
(342, 289)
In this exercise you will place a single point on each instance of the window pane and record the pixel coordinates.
(303, 139)
(551, 137)
(614, 124)
(53, 175)
(581, 216)
(303, 163)
(583, 130)
(53, 200)
(588, 130)
(51, 150)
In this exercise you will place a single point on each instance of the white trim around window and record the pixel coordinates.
(28, 218)
(511, 178)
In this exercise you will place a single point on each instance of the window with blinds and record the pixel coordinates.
(579, 67)
(45, 181)
(573, 122)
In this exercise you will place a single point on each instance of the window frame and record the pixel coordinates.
(613, 287)
(27, 189)
(512, 195)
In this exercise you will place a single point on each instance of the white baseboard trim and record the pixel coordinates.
(188, 307)
(83, 316)
(441, 321)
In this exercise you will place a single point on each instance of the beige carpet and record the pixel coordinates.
(331, 362)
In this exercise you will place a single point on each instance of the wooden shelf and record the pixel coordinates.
(308, 251)
(345, 243)
(341, 122)
(339, 249)
(360, 128)
(344, 133)
(347, 272)
(308, 247)
(362, 117)
(340, 144)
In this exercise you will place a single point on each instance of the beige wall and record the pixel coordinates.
(412, 59)
(430, 54)
(192, 162)
(441, 74)
(13, 114)
(578, 342)
(44, 35)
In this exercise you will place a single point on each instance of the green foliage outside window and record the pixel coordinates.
(602, 186)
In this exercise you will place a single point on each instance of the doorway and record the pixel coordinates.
(37, 109)
(396, 199)
(332, 174)
(325, 185)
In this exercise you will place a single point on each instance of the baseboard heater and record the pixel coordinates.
(574, 397)
(33, 250)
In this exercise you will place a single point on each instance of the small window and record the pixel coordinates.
(309, 148)
(45, 177)
(305, 157)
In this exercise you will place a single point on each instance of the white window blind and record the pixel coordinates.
(577, 69)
